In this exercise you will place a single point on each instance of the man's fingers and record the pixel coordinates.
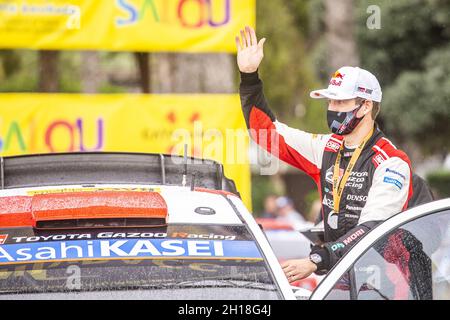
(301, 276)
(292, 278)
(247, 37)
(288, 270)
(253, 36)
(238, 44)
(244, 44)
(261, 42)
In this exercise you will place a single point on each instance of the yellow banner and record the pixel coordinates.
(211, 125)
(124, 25)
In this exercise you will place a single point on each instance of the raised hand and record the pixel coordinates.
(250, 52)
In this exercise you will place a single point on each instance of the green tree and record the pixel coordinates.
(409, 30)
(18, 70)
(410, 56)
(418, 102)
(287, 69)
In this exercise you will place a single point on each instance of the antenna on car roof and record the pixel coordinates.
(163, 169)
(193, 182)
(185, 165)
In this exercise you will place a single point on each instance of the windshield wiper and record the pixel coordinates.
(371, 288)
(224, 283)
(216, 283)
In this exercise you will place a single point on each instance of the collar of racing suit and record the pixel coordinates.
(347, 151)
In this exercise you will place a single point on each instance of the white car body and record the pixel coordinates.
(362, 246)
(181, 203)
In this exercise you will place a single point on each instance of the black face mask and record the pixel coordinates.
(342, 123)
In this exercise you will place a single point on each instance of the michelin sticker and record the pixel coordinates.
(126, 248)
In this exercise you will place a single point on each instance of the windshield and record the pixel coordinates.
(176, 262)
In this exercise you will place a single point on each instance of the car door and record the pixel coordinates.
(408, 262)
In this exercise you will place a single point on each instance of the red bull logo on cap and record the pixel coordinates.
(337, 75)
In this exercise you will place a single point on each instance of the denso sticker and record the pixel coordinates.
(354, 197)
(126, 248)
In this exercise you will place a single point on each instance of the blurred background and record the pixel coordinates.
(405, 43)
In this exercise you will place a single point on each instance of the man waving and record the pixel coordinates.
(361, 176)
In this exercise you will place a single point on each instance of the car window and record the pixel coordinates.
(176, 262)
(410, 263)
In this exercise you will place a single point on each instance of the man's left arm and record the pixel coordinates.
(388, 195)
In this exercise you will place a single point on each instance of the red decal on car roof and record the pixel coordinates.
(28, 211)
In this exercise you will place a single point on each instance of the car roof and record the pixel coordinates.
(183, 204)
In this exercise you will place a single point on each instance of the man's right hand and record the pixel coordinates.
(250, 52)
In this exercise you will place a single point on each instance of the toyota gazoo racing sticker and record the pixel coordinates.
(176, 231)
(115, 235)
(127, 249)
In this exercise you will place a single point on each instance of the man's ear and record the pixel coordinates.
(368, 105)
